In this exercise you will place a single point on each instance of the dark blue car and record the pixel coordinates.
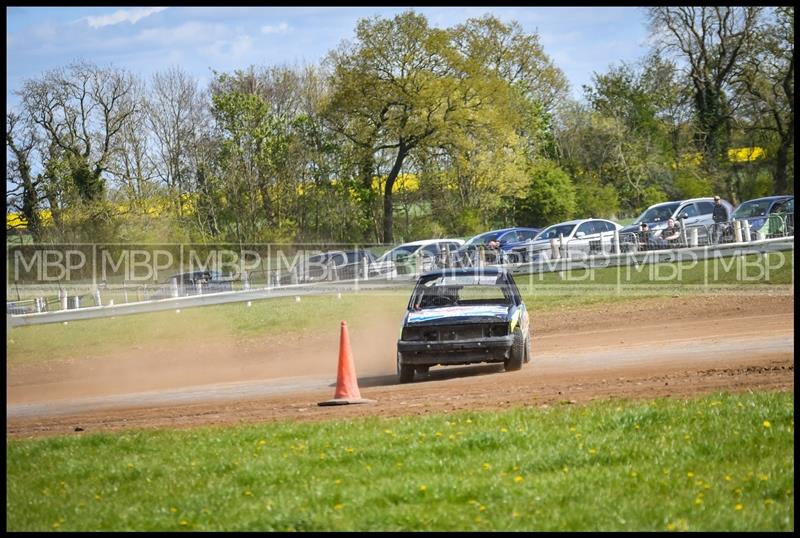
(463, 316)
(776, 212)
(504, 238)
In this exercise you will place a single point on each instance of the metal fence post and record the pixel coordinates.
(97, 300)
(62, 294)
(616, 242)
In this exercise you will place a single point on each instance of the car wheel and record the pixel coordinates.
(405, 371)
(528, 350)
(517, 354)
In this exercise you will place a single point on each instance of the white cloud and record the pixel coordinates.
(124, 15)
(280, 29)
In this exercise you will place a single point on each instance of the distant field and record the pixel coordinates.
(719, 463)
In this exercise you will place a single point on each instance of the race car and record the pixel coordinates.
(463, 316)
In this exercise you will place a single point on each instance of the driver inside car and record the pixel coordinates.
(439, 296)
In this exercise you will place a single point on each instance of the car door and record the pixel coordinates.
(586, 239)
(691, 213)
(428, 255)
(607, 229)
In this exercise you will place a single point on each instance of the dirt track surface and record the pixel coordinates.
(642, 349)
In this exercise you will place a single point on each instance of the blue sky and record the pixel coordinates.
(144, 40)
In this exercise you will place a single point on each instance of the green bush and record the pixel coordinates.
(551, 196)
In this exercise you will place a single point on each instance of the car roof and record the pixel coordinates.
(776, 197)
(467, 271)
(423, 242)
(577, 221)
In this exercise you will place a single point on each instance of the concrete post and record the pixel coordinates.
(174, 287)
(737, 231)
(97, 300)
(694, 238)
(746, 231)
(62, 294)
(554, 251)
(616, 242)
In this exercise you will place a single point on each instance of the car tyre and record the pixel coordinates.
(405, 371)
(517, 354)
(527, 350)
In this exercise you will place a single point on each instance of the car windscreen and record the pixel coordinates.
(754, 208)
(461, 290)
(353, 257)
(398, 252)
(554, 231)
(658, 213)
(482, 238)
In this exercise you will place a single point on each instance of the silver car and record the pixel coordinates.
(581, 237)
(693, 213)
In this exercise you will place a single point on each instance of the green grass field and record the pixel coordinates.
(718, 463)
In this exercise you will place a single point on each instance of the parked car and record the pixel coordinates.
(429, 253)
(504, 238)
(193, 283)
(769, 216)
(463, 316)
(333, 265)
(337, 265)
(580, 237)
(692, 212)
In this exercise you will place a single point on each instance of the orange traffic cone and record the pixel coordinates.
(346, 383)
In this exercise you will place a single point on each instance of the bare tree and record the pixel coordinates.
(711, 40)
(130, 165)
(175, 114)
(81, 111)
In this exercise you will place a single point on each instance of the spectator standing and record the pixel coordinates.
(644, 237)
(720, 216)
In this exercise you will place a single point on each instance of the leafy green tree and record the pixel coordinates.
(404, 89)
(592, 199)
(551, 197)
